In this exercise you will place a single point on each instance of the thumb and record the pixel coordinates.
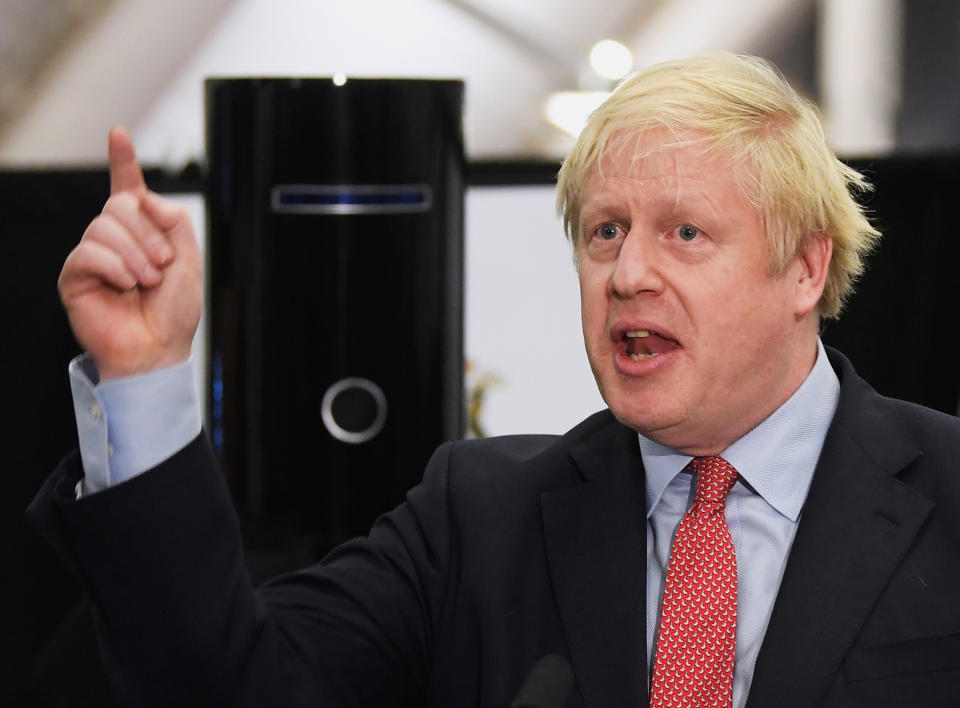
(125, 172)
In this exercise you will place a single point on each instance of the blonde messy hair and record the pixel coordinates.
(751, 115)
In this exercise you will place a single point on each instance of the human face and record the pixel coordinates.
(691, 337)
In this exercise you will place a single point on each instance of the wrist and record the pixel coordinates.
(130, 366)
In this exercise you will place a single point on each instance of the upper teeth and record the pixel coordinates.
(638, 333)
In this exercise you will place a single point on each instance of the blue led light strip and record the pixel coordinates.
(350, 198)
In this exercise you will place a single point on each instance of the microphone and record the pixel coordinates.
(547, 685)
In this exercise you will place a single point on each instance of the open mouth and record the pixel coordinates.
(644, 344)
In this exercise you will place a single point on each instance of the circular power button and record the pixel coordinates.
(354, 410)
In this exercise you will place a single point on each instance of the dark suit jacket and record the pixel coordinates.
(518, 547)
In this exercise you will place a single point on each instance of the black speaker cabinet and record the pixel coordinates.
(335, 271)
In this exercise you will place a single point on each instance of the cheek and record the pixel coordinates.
(758, 322)
(741, 293)
(593, 299)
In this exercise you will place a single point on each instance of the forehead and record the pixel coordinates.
(667, 170)
(675, 156)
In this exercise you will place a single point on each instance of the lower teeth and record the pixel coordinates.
(641, 357)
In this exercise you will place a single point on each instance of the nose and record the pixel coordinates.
(638, 267)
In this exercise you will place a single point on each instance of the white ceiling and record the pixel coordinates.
(29, 30)
(142, 63)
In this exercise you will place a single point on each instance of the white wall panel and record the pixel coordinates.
(523, 312)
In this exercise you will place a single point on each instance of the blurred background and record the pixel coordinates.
(884, 73)
(881, 69)
(72, 68)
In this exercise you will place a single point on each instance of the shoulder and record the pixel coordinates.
(924, 420)
(521, 461)
(936, 433)
(521, 449)
(919, 446)
(868, 414)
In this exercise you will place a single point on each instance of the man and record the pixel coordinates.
(712, 229)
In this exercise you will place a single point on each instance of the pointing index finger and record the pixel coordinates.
(125, 172)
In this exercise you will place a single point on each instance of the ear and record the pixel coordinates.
(813, 260)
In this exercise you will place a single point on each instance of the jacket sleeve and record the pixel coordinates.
(161, 557)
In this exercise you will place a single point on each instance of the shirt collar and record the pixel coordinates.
(777, 457)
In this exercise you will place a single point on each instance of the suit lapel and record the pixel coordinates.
(856, 526)
(596, 550)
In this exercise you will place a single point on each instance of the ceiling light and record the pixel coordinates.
(611, 59)
(339, 79)
(569, 110)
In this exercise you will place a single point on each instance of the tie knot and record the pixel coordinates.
(715, 479)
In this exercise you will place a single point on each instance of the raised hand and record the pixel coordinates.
(132, 286)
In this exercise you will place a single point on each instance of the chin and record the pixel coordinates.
(643, 416)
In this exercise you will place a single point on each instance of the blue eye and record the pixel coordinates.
(608, 231)
(687, 232)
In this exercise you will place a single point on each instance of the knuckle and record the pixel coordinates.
(124, 202)
(100, 228)
(170, 209)
(178, 212)
(73, 266)
(64, 274)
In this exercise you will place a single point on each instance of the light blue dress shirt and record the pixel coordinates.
(775, 461)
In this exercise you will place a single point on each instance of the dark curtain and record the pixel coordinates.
(898, 325)
(48, 653)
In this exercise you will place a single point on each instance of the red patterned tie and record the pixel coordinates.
(698, 619)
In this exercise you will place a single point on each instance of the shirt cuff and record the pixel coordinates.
(129, 425)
